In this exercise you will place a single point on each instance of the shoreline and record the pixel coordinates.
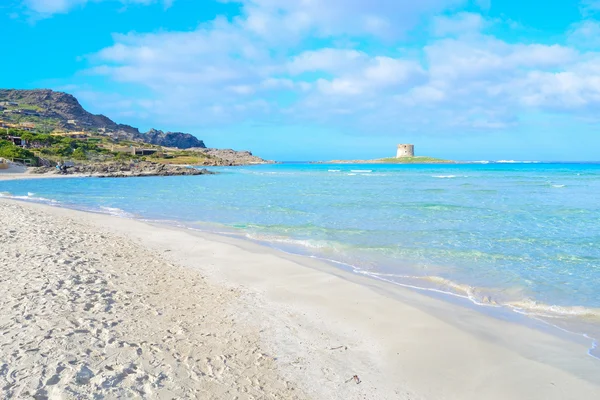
(382, 319)
(572, 322)
(569, 322)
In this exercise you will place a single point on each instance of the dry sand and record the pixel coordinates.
(16, 171)
(99, 306)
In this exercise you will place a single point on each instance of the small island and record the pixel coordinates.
(405, 154)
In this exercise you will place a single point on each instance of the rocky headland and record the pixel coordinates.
(63, 111)
(123, 170)
(231, 157)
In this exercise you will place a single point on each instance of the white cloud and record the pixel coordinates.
(46, 8)
(486, 57)
(258, 66)
(585, 34)
(381, 18)
(326, 60)
(52, 6)
(457, 24)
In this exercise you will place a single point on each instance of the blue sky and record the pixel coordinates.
(322, 79)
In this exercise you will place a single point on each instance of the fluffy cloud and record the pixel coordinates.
(264, 64)
(460, 23)
(46, 8)
(585, 34)
(381, 18)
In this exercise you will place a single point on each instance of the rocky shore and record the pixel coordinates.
(229, 157)
(124, 170)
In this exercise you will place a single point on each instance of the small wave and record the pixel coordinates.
(481, 296)
(116, 212)
(334, 170)
(558, 186)
(312, 244)
(516, 162)
(532, 307)
(30, 197)
(361, 170)
(351, 174)
(444, 176)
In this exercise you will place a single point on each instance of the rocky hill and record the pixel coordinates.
(63, 111)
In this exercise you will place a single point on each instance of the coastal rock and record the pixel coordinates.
(125, 170)
(231, 157)
(172, 139)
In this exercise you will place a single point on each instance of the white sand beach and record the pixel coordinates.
(95, 306)
(18, 171)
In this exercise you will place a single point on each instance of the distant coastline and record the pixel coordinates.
(392, 160)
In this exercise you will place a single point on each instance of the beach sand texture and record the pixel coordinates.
(94, 306)
(86, 314)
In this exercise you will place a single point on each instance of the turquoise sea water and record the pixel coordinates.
(521, 236)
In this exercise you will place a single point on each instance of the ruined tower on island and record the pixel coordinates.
(405, 150)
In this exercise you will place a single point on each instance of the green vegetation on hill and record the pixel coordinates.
(49, 110)
(93, 149)
(9, 151)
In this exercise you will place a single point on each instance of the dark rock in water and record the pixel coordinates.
(126, 170)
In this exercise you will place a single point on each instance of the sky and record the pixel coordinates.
(325, 79)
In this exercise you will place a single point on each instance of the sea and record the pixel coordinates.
(523, 237)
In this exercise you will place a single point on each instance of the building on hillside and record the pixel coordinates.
(72, 121)
(134, 151)
(27, 126)
(17, 141)
(405, 150)
(2, 108)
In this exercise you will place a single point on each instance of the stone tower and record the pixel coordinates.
(405, 150)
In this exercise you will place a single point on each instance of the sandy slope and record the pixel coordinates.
(99, 304)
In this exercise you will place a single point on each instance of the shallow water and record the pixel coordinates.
(524, 236)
